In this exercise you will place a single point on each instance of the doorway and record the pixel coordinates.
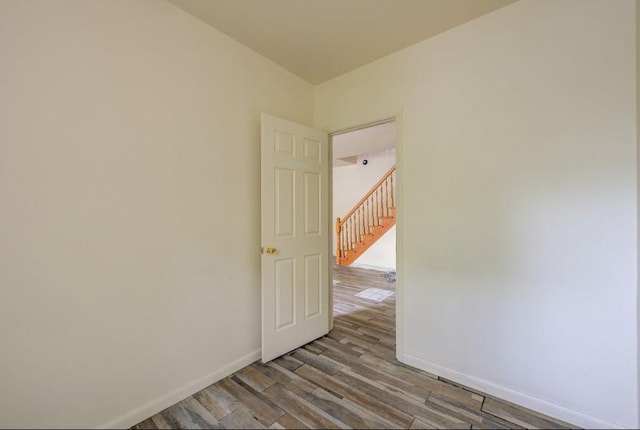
(364, 211)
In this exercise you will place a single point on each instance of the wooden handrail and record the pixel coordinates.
(369, 194)
(371, 217)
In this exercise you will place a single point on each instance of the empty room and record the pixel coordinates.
(171, 179)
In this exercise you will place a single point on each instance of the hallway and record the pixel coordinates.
(347, 379)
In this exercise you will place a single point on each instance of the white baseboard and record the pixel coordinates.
(143, 412)
(525, 400)
(372, 267)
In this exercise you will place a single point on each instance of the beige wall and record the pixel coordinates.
(129, 220)
(519, 244)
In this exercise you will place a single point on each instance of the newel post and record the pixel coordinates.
(338, 245)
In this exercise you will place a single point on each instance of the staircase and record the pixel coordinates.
(368, 221)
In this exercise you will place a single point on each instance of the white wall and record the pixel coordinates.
(519, 244)
(381, 255)
(130, 207)
(350, 184)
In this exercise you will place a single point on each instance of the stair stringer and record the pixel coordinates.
(369, 239)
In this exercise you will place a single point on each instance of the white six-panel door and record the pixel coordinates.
(295, 236)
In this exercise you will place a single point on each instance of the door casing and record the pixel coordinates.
(397, 118)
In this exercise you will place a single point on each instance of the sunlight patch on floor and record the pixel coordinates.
(375, 294)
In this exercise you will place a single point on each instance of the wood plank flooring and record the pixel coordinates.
(347, 379)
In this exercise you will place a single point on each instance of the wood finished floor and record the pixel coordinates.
(347, 379)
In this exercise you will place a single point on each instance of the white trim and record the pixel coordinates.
(145, 411)
(637, 22)
(390, 118)
(331, 228)
(510, 395)
(399, 235)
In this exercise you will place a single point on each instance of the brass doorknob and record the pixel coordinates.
(271, 250)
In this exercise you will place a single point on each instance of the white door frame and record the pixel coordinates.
(397, 118)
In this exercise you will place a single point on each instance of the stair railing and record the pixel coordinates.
(377, 204)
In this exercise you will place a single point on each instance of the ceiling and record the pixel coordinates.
(321, 39)
(348, 146)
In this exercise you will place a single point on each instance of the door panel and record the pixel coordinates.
(285, 200)
(295, 239)
(312, 278)
(285, 293)
(312, 204)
